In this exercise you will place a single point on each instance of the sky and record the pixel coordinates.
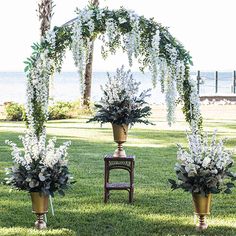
(207, 28)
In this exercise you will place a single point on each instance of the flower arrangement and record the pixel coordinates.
(205, 167)
(121, 102)
(40, 168)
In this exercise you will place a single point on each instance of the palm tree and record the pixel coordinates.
(88, 69)
(45, 15)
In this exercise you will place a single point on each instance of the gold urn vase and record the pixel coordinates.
(120, 136)
(202, 206)
(39, 207)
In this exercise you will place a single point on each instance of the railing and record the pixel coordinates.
(213, 82)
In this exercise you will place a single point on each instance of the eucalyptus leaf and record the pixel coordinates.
(41, 177)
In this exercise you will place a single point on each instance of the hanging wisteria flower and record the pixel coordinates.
(194, 102)
(170, 98)
(131, 39)
(154, 60)
(205, 167)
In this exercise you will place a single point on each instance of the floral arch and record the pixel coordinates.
(143, 39)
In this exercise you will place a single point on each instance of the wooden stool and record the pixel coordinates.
(123, 163)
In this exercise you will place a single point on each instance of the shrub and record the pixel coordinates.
(78, 110)
(60, 110)
(14, 111)
(67, 110)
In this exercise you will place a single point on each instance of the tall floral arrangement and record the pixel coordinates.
(205, 167)
(39, 167)
(122, 103)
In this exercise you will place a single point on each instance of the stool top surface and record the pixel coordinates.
(127, 158)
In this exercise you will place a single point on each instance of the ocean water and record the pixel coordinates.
(66, 86)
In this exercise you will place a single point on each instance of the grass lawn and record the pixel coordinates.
(156, 210)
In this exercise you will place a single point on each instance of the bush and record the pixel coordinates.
(14, 111)
(60, 110)
(78, 110)
(67, 110)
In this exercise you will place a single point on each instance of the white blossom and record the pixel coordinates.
(37, 150)
(212, 157)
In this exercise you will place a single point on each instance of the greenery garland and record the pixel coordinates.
(153, 46)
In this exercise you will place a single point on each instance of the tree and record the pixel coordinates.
(88, 69)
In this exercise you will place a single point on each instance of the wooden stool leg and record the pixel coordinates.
(131, 194)
(106, 181)
(106, 196)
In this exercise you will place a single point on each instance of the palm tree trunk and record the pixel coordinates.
(88, 77)
(88, 70)
(45, 15)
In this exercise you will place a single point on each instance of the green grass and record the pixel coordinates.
(156, 210)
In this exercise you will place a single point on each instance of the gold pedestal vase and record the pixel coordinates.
(40, 208)
(120, 136)
(202, 206)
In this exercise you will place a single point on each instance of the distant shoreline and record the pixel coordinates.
(67, 86)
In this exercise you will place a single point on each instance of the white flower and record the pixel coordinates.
(207, 158)
(191, 169)
(122, 20)
(206, 162)
(214, 171)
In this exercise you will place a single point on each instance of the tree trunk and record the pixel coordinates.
(89, 71)
(45, 15)
(88, 78)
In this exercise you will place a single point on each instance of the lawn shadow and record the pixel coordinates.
(109, 219)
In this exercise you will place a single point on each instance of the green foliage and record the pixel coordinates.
(66, 110)
(14, 111)
(63, 42)
(56, 53)
(60, 110)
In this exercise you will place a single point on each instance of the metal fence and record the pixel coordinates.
(213, 83)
